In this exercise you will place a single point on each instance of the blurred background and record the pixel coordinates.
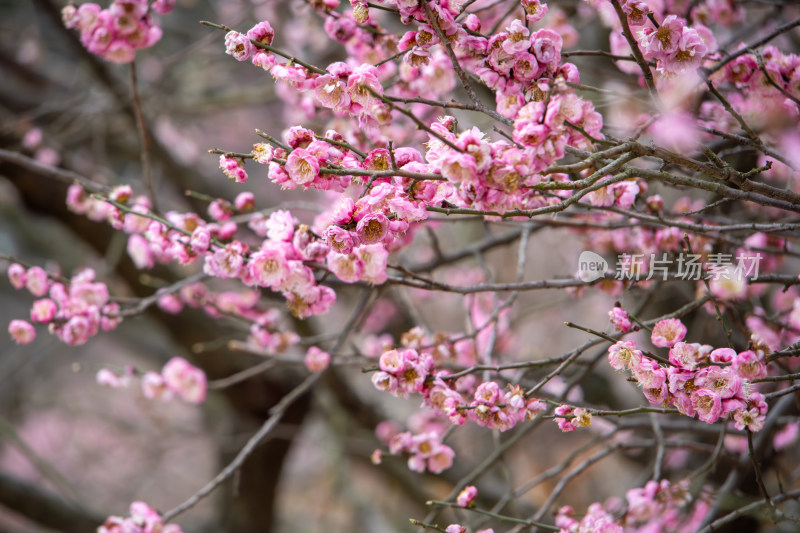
(72, 452)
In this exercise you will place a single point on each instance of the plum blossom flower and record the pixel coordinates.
(668, 332)
(708, 405)
(688, 54)
(226, 262)
(233, 168)
(269, 266)
(636, 11)
(623, 355)
(43, 311)
(750, 365)
(262, 33)
(143, 519)
(185, 380)
(36, 281)
(111, 379)
(262, 153)
(534, 10)
(154, 387)
(317, 360)
(619, 319)
(374, 257)
(238, 45)
(751, 419)
(688, 355)
(17, 275)
(467, 496)
(566, 422)
(665, 39)
(372, 228)
(302, 166)
(21, 331)
(346, 267)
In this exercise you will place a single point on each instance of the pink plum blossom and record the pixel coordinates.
(22, 332)
(185, 380)
(317, 360)
(238, 45)
(666, 333)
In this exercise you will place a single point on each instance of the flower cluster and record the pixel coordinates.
(659, 506)
(763, 88)
(703, 381)
(178, 377)
(571, 418)
(117, 32)
(675, 47)
(412, 369)
(426, 451)
(278, 263)
(74, 309)
(403, 371)
(233, 168)
(142, 519)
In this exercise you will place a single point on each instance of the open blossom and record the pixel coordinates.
(302, 166)
(728, 284)
(269, 266)
(372, 228)
(665, 39)
(636, 11)
(43, 310)
(750, 365)
(185, 380)
(331, 92)
(623, 355)
(708, 405)
(17, 275)
(22, 332)
(722, 381)
(262, 153)
(688, 355)
(226, 262)
(78, 329)
(534, 10)
(668, 332)
(36, 281)
(346, 267)
(688, 55)
(751, 419)
(238, 46)
(374, 258)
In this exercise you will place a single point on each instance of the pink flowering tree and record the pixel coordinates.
(478, 265)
